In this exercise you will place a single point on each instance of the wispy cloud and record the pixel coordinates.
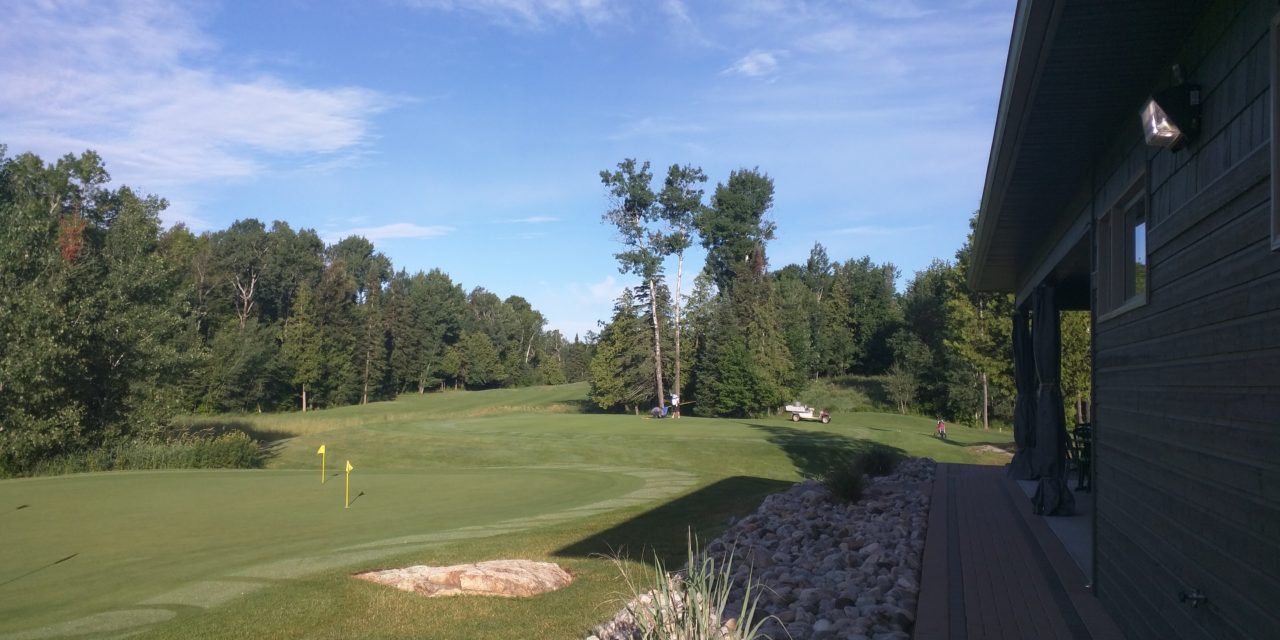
(755, 64)
(134, 81)
(682, 23)
(595, 293)
(394, 231)
(528, 13)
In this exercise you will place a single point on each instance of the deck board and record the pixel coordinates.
(992, 569)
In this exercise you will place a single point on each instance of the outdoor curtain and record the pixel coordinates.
(1049, 453)
(1024, 409)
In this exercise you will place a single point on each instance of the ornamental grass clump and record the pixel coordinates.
(847, 480)
(693, 603)
(880, 461)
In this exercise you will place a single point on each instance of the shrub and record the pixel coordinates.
(231, 450)
(880, 461)
(846, 480)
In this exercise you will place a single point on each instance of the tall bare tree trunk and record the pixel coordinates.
(304, 398)
(985, 412)
(657, 342)
(679, 278)
(364, 395)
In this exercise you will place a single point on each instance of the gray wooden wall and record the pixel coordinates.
(1188, 385)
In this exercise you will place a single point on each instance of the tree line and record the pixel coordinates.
(111, 325)
(752, 338)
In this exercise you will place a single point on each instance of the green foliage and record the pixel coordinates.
(301, 344)
(110, 326)
(734, 228)
(232, 450)
(89, 315)
(901, 386)
(1077, 366)
(622, 368)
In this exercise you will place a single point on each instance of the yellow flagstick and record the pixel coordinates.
(349, 468)
(320, 452)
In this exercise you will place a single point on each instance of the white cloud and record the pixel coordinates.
(677, 11)
(133, 81)
(395, 231)
(755, 64)
(528, 13)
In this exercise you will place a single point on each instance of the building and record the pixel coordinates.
(1177, 255)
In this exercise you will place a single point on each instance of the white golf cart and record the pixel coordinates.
(801, 412)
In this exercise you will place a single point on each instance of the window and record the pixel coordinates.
(1275, 133)
(1122, 253)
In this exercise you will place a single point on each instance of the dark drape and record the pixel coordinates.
(1049, 453)
(1024, 410)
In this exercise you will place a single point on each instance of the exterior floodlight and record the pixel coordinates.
(1171, 118)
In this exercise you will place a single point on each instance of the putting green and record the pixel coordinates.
(116, 552)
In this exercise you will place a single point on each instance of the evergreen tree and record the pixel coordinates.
(301, 347)
(622, 367)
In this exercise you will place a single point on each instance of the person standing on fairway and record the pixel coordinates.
(942, 429)
(675, 405)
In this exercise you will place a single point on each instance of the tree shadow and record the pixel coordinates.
(815, 453)
(220, 426)
(579, 406)
(1004, 445)
(663, 532)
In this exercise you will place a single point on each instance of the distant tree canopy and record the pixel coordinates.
(759, 336)
(111, 325)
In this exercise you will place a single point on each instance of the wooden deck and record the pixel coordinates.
(992, 569)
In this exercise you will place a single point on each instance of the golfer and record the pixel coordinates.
(675, 404)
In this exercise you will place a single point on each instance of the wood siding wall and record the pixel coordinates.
(1188, 385)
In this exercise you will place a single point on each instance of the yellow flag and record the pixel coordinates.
(349, 467)
(320, 450)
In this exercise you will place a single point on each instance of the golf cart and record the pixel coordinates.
(801, 412)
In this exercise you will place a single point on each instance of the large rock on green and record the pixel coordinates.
(507, 578)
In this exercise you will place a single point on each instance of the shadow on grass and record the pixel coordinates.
(663, 531)
(816, 453)
(38, 569)
(215, 427)
(1004, 445)
(576, 406)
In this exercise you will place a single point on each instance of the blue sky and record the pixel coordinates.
(469, 135)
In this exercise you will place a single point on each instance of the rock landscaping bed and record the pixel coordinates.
(825, 569)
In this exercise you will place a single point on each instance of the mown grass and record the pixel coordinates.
(268, 553)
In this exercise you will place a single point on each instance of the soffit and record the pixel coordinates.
(1076, 71)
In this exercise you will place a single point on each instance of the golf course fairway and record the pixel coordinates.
(436, 479)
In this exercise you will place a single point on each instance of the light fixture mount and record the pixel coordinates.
(1171, 118)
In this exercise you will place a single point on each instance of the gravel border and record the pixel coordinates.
(828, 570)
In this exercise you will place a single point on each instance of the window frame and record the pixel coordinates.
(1117, 251)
